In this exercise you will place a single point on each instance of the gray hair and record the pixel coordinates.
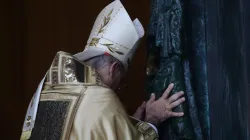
(102, 61)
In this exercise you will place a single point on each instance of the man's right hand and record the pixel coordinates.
(159, 110)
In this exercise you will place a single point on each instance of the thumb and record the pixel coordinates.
(143, 105)
(152, 97)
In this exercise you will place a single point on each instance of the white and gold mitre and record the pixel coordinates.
(113, 33)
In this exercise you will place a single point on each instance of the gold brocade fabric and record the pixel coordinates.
(76, 105)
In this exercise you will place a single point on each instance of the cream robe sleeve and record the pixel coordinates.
(101, 116)
(117, 127)
(114, 127)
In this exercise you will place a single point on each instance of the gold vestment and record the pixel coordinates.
(74, 104)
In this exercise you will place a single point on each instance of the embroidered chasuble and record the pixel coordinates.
(74, 104)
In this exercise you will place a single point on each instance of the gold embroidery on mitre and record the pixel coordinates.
(105, 22)
(113, 49)
(94, 41)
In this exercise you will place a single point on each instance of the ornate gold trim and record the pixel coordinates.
(73, 99)
(73, 114)
(147, 131)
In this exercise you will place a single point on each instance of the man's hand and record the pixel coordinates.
(161, 109)
(140, 112)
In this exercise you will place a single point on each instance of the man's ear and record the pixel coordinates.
(113, 69)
